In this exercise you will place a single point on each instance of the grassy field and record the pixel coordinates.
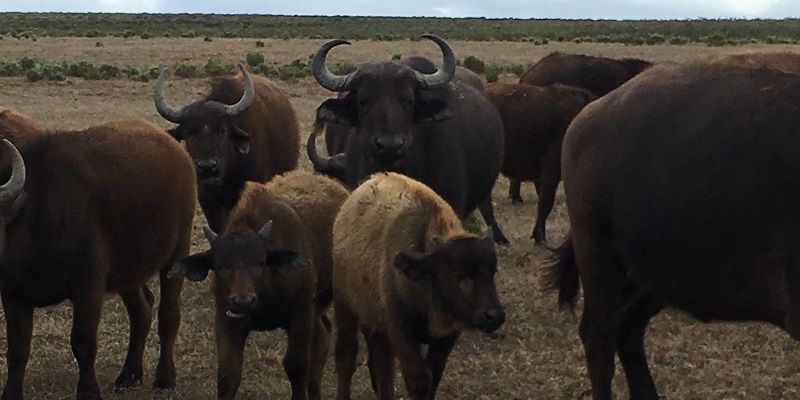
(537, 353)
(145, 26)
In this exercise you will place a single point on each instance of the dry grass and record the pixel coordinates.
(536, 355)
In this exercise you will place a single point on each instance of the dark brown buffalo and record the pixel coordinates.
(598, 75)
(89, 213)
(535, 119)
(429, 126)
(253, 139)
(272, 269)
(335, 134)
(683, 188)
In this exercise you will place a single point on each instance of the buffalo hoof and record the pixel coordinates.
(499, 237)
(128, 379)
(539, 237)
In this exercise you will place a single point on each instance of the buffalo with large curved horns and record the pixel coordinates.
(429, 126)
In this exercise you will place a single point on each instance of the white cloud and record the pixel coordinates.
(129, 5)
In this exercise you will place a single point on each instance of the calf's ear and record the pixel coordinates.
(195, 267)
(339, 111)
(412, 263)
(432, 111)
(282, 257)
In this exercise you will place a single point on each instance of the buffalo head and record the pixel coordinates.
(461, 274)
(244, 266)
(385, 103)
(208, 128)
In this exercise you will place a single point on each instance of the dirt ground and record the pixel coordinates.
(535, 355)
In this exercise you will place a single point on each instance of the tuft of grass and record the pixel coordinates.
(187, 70)
(254, 59)
(474, 64)
(216, 68)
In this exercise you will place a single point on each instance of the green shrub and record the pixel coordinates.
(128, 33)
(92, 33)
(146, 36)
(493, 72)
(296, 69)
(35, 74)
(679, 40)
(108, 71)
(472, 225)
(343, 68)
(188, 34)
(715, 40)
(265, 70)
(254, 59)
(474, 64)
(517, 69)
(10, 69)
(603, 39)
(397, 56)
(26, 63)
(654, 39)
(216, 68)
(186, 70)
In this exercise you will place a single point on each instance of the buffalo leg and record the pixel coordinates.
(406, 346)
(139, 303)
(298, 354)
(319, 355)
(381, 366)
(169, 320)
(19, 327)
(487, 212)
(438, 351)
(87, 305)
(546, 187)
(515, 190)
(630, 345)
(603, 280)
(230, 340)
(346, 349)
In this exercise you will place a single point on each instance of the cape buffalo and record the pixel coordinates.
(405, 272)
(272, 269)
(89, 213)
(535, 119)
(683, 188)
(598, 75)
(439, 130)
(253, 139)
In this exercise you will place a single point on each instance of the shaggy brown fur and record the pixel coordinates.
(782, 61)
(273, 142)
(280, 279)
(535, 119)
(103, 210)
(398, 303)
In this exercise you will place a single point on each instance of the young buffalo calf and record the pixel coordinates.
(272, 268)
(407, 273)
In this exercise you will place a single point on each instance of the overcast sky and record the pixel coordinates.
(595, 9)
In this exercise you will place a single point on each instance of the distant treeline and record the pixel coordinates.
(713, 32)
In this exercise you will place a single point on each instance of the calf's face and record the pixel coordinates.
(244, 266)
(462, 274)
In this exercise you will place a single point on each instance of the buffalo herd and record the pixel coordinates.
(679, 182)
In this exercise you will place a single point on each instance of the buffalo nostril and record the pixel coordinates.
(495, 315)
(389, 143)
(207, 165)
(244, 301)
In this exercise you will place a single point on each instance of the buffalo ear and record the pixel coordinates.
(412, 263)
(282, 257)
(339, 111)
(176, 133)
(195, 267)
(241, 140)
(432, 111)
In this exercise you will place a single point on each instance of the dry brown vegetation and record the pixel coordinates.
(536, 355)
